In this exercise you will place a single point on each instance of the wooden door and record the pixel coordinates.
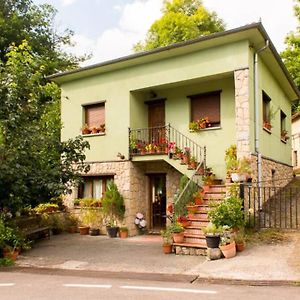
(156, 118)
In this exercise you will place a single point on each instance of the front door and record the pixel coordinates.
(158, 202)
(156, 121)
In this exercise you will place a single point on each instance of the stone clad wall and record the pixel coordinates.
(133, 183)
(242, 120)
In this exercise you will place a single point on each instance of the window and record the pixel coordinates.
(94, 118)
(206, 106)
(266, 110)
(93, 187)
(283, 132)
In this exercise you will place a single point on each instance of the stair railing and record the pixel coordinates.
(164, 139)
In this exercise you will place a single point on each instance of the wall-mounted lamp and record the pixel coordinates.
(121, 156)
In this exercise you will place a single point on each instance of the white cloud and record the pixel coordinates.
(135, 20)
(67, 2)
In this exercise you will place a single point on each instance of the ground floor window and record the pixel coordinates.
(94, 186)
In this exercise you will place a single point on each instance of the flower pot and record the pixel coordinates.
(11, 254)
(178, 237)
(123, 234)
(240, 247)
(72, 229)
(112, 231)
(84, 230)
(229, 250)
(167, 248)
(212, 241)
(206, 188)
(199, 201)
(94, 231)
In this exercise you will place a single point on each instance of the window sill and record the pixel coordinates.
(267, 130)
(93, 134)
(205, 129)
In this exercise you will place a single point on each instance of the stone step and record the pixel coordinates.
(197, 248)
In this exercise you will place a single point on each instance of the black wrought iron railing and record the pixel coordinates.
(166, 140)
(272, 207)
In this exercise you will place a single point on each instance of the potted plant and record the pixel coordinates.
(94, 129)
(284, 135)
(227, 245)
(167, 240)
(198, 197)
(183, 220)
(85, 220)
(102, 128)
(71, 223)
(192, 210)
(177, 232)
(95, 220)
(193, 163)
(212, 235)
(113, 208)
(228, 213)
(239, 241)
(123, 232)
(85, 129)
(186, 156)
(208, 180)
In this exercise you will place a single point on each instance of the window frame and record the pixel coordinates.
(89, 128)
(266, 109)
(216, 111)
(81, 188)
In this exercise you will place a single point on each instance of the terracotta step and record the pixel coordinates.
(217, 188)
(193, 235)
(193, 231)
(194, 240)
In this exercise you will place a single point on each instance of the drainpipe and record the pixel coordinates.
(257, 119)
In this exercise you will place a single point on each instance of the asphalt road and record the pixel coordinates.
(23, 286)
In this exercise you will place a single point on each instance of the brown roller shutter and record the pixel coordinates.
(206, 105)
(95, 115)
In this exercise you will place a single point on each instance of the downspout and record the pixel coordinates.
(257, 119)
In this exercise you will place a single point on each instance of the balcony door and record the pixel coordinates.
(156, 118)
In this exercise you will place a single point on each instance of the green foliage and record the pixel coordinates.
(6, 262)
(34, 164)
(229, 212)
(113, 203)
(187, 196)
(10, 235)
(167, 236)
(212, 229)
(22, 20)
(182, 20)
(46, 208)
(175, 227)
(291, 55)
(92, 217)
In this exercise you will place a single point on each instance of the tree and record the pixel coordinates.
(182, 20)
(22, 20)
(34, 164)
(291, 55)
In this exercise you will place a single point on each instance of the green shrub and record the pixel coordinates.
(229, 212)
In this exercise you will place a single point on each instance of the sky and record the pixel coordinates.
(108, 29)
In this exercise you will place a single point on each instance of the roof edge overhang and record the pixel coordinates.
(176, 49)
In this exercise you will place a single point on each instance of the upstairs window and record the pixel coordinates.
(283, 132)
(205, 109)
(266, 110)
(94, 118)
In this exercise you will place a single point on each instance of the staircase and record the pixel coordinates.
(194, 240)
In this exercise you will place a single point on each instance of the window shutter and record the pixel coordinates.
(95, 115)
(206, 105)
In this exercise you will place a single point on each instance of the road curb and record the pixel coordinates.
(194, 279)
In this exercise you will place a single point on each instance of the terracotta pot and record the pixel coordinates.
(123, 234)
(178, 237)
(167, 248)
(206, 188)
(199, 201)
(240, 247)
(11, 254)
(72, 229)
(84, 230)
(229, 250)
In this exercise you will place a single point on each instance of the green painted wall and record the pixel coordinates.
(124, 93)
(270, 145)
(126, 90)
